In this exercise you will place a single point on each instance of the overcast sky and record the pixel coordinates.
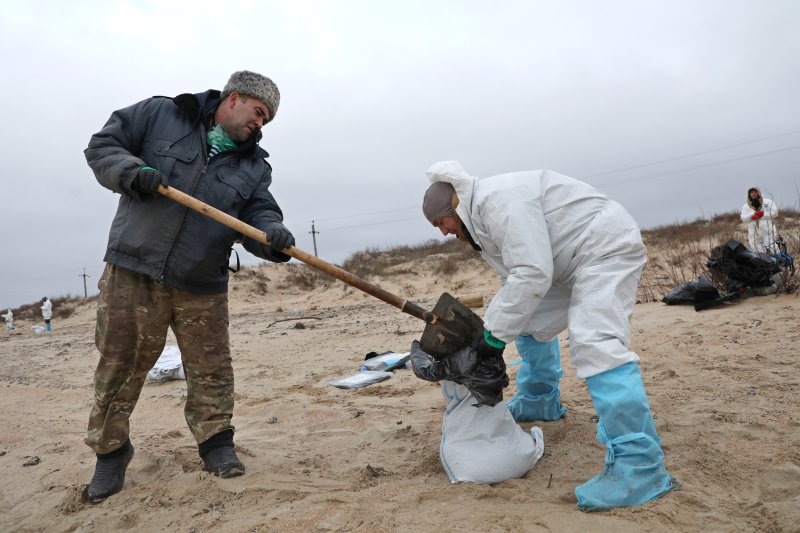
(671, 107)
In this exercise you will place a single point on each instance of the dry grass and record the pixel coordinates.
(307, 278)
(382, 262)
(447, 267)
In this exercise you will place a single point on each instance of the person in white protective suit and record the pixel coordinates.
(570, 258)
(47, 313)
(759, 213)
(9, 316)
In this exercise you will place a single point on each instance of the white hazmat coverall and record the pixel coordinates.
(761, 232)
(567, 257)
(47, 310)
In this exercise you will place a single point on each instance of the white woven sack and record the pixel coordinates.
(484, 444)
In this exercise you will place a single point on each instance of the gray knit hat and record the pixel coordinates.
(253, 84)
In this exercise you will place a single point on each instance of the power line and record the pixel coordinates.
(704, 165)
(695, 154)
(643, 178)
(374, 223)
(35, 285)
(367, 214)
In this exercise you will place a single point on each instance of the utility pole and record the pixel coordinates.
(84, 276)
(313, 233)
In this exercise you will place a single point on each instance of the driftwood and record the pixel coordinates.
(294, 318)
(471, 300)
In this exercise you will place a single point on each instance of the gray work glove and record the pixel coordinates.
(279, 238)
(147, 180)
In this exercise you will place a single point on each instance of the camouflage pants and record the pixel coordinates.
(133, 316)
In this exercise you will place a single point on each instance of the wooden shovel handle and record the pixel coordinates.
(256, 234)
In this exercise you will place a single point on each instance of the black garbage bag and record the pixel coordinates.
(682, 294)
(485, 378)
(702, 294)
(739, 263)
(735, 286)
(705, 295)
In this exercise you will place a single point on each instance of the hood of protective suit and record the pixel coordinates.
(453, 173)
(760, 198)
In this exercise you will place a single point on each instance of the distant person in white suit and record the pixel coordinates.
(759, 213)
(9, 320)
(47, 313)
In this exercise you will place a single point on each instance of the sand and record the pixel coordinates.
(723, 385)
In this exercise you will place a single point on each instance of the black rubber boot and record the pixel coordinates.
(219, 457)
(109, 473)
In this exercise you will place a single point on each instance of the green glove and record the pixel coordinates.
(489, 346)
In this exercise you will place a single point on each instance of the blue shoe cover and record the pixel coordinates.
(634, 472)
(546, 406)
(537, 396)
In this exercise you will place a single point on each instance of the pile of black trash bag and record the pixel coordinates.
(739, 263)
(741, 267)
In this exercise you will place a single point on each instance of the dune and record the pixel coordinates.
(723, 385)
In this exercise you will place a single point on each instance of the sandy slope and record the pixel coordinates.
(723, 384)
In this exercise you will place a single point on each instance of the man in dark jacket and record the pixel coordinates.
(167, 266)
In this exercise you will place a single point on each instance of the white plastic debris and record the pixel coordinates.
(362, 379)
(169, 365)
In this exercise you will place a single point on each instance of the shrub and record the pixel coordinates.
(447, 266)
(307, 278)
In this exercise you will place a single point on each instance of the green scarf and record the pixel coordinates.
(218, 141)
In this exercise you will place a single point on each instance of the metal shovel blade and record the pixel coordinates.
(456, 327)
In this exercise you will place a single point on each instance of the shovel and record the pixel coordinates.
(449, 327)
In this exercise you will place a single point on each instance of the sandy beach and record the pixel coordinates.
(723, 385)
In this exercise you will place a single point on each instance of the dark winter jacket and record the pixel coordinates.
(158, 237)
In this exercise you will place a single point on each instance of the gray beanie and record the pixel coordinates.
(438, 201)
(253, 84)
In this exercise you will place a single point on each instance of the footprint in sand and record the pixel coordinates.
(778, 484)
